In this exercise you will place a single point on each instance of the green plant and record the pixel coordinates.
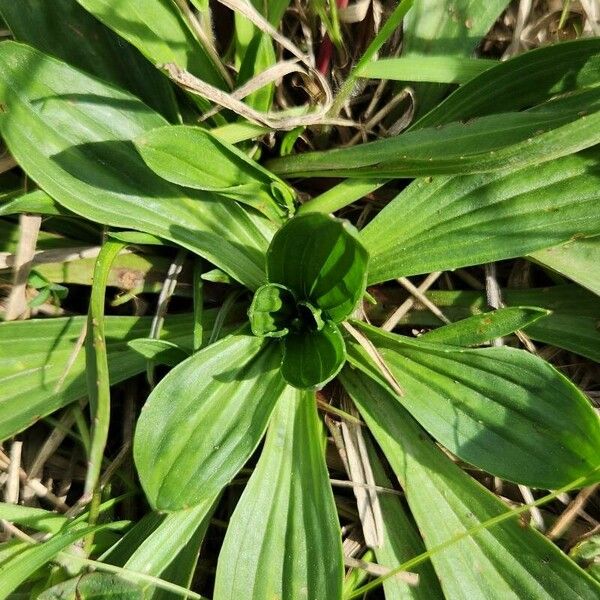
(504, 166)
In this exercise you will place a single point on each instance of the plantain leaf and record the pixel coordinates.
(501, 409)
(41, 369)
(194, 158)
(204, 419)
(321, 261)
(507, 560)
(312, 358)
(523, 81)
(65, 30)
(273, 308)
(283, 539)
(482, 218)
(578, 259)
(159, 31)
(483, 328)
(160, 351)
(496, 142)
(72, 135)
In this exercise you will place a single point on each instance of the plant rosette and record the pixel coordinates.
(316, 271)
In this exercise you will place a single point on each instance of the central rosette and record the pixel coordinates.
(316, 272)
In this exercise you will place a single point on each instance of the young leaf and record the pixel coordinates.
(312, 358)
(72, 134)
(475, 219)
(321, 261)
(204, 419)
(501, 409)
(283, 540)
(194, 158)
(508, 560)
(483, 328)
(272, 311)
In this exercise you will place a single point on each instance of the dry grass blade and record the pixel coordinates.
(377, 358)
(570, 514)
(407, 577)
(272, 120)
(394, 319)
(360, 471)
(29, 226)
(58, 255)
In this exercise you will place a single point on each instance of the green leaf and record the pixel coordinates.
(501, 409)
(158, 30)
(204, 419)
(159, 351)
(72, 135)
(578, 259)
(273, 308)
(401, 542)
(474, 219)
(17, 569)
(527, 79)
(321, 261)
(496, 142)
(312, 358)
(36, 518)
(65, 30)
(508, 560)
(440, 69)
(42, 370)
(93, 586)
(37, 202)
(283, 539)
(448, 28)
(194, 158)
(483, 328)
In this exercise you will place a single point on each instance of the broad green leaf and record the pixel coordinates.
(312, 358)
(272, 311)
(321, 261)
(93, 586)
(204, 419)
(401, 542)
(283, 539)
(523, 81)
(501, 409)
(448, 222)
(496, 142)
(158, 30)
(17, 569)
(509, 560)
(36, 373)
(65, 30)
(483, 328)
(446, 28)
(438, 69)
(194, 158)
(578, 259)
(72, 134)
(160, 351)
